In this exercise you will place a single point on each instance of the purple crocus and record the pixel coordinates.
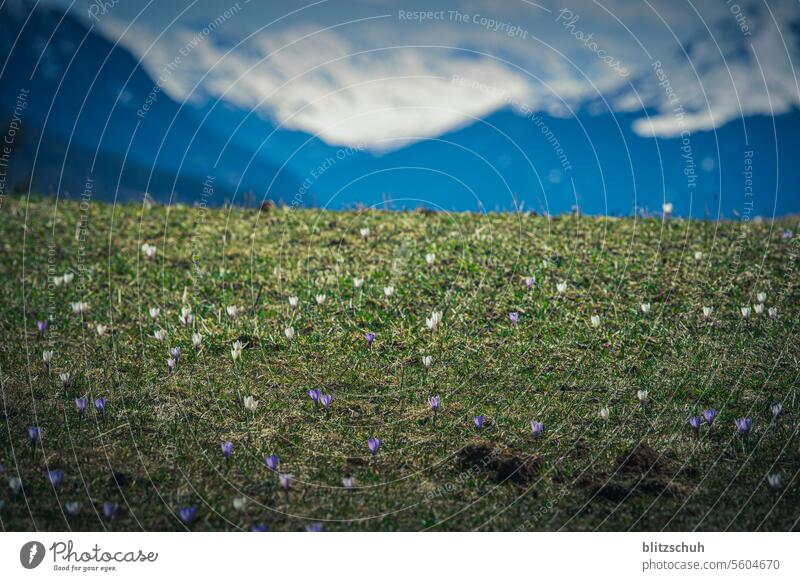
(709, 415)
(743, 426)
(286, 481)
(514, 317)
(314, 395)
(81, 403)
(176, 353)
(259, 527)
(187, 514)
(326, 401)
(227, 448)
(42, 326)
(100, 405)
(373, 444)
(536, 429)
(314, 527)
(370, 337)
(109, 510)
(171, 363)
(434, 402)
(56, 477)
(695, 422)
(478, 422)
(272, 462)
(34, 434)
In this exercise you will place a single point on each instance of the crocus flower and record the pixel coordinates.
(348, 482)
(698, 256)
(642, 395)
(786, 234)
(236, 350)
(320, 298)
(56, 477)
(536, 429)
(34, 434)
(73, 507)
(239, 502)
(743, 426)
(478, 420)
(666, 207)
(762, 297)
(67, 278)
(79, 308)
(370, 337)
(775, 409)
(272, 462)
(42, 326)
(758, 308)
(100, 405)
(561, 287)
(774, 481)
(47, 357)
(101, 330)
(773, 312)
(294, 302)
(373, 444)
(326, 401)
(513, 317)
(695, 422)
(171, 363)
(154, 311)
(232, 310)
(595, 321)
(604, 414)
(227, 448)
(707, 312)
(434, 402)
(186, 317)
(197, 339)
(160, 335)
(314, 395)
(745, 312)
(149, 250)
(80, 403)
(709, 415)
(645, 308)
(388, 291)
(259, 528)
(427, 360)
(109, 510)
(176, 353)
(250, 403)
(434, 321)
(289, 332)
(364, 233)
(285, 481)
(314, 527)
(187, 514)
(15, 484)
(63, 377)
(358, 282)
(430, 258)
(530, 281)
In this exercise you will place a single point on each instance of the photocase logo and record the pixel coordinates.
(31, 554)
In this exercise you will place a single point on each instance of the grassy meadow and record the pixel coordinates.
(152, 460)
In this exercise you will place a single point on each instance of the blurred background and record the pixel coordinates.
(610, 107)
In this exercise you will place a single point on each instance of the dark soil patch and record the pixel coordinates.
(499, 463)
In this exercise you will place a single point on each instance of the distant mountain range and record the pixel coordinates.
(92, 112)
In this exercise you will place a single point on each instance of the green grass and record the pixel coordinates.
(158, 446)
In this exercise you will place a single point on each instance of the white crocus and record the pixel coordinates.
(745, 312)
(101, 330)
(707, 312)
(80, 308)
(776, 409)
(364, 233)
(15, 484)
(154, 312)
(289, 332)
(774, 481)
(561, 287)
(58, 280)
(149, 250)
(186, 316)
(388, 291)
(67, 278)
(358, 282)
(595, 321)
(294, 302)
(250, 403)
(773, 312)
(197, 339)
(667, 209)
(430, 258)
(698, 256)
(434, 321)
(73, 507)
(642, 395)
(645, 308)
(320, 298)
(427, 361)
(758, 308)
(47, 357)
(64, 378)
(160, 335)
(762, 297)
(232, 310)
(236, 350)
(604, 413)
